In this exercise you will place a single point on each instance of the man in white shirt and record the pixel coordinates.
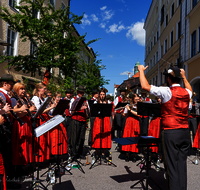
(174, 118)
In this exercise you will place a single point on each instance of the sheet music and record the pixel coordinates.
(48, 125)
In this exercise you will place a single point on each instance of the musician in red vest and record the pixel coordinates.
(174, 118)
(79, 125)
(68, 93)
(6, 84)
(118, 119)
(95, 95)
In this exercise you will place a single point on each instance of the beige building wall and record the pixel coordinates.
(22, 48)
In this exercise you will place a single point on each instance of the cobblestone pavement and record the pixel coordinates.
(106, 176)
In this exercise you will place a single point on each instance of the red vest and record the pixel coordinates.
(79, 115)
(7, 98)
(119, 100)
(174, 113)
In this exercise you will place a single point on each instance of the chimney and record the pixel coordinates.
(129, 75)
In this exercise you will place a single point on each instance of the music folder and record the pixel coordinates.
(48, 125)
(120, 104)
(76, 105)
(42, 108)
(101, 110)
(61, 107)
(149, 109)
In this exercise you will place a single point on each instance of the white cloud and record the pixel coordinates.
(94, 18)
(107, 14)
(115, 28)
(110, 56)
(125, 73)
(136, 32)
(103, 8)
(85, 21)
(102, 25)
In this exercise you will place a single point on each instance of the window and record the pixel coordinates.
(156, 57)
(154, 60)
(193, 45)
(161, 51)
(153, 81)
(150, 63)
(32, 48)
(166, 46)
(154, 40)
(11, 39)
(178, 2)
(157, 35)
(172, 10)
(199, 40)
(166, 20)
(148, 50)
(194, 2)
(150, 82)
(161, 78)
(151, 45)
(13, 3)
(162, 14)
(178, 30)
(156, 83)
(52, 2)
(172, 38)
(63, 6)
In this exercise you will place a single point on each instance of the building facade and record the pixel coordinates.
(173, 37)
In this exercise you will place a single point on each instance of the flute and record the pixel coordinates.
(125, 106)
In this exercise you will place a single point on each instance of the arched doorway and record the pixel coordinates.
(195, 83)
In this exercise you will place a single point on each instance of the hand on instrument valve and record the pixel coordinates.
(6, 108)
(1, 120)
(85, 106)
(33, 108)
(127, 107)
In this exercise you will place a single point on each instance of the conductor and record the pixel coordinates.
(174, 119)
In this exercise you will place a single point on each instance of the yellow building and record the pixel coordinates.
(172, 36)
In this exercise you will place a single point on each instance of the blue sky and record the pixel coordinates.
(119, 24)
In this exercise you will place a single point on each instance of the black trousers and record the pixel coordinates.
(193, 126)
(1, 182)
(144, 125)
(118, 122)
(78, 136)
(176, 143)
(69, 130)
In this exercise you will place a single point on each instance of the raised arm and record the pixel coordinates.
(143, 81)
(185, 81)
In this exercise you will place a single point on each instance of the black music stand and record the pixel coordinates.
(101, 111)
(59, 110)
(153, 110)
(147, 141)
(34, 125)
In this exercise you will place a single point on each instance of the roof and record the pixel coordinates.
(136, 75)
(116, 85)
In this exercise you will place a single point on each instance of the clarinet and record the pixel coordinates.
(32, 105)
(48, 96)
(14, 114)
(18, 98)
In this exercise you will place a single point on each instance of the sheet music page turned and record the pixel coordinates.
(48, 125)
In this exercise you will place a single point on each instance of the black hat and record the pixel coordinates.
(122, 89)
(108, 96)
(174, 72)
(143, 91)
(7, 77)
(69, 90)
(95, 91)
(81, 88)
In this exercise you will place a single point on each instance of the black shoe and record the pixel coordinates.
(134, 159)
(127, 159)
(82, 157)
(13, 185)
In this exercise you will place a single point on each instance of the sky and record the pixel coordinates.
(119, 25)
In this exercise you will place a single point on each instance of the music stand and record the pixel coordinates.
(153, 110)
(59, 110)
(120, 105)
(34, 126)
(38, 132)
(101, 111)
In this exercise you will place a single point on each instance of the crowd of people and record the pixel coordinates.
(18, 144)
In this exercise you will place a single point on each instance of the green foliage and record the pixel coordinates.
(50, 48)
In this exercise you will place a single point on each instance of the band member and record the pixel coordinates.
(95, 95)
(68, 93)
(174, 117)
(118, 120)
(58, 132)
(22, 135)
(43, 141)
(79, 125)
(102, 126)
(6, 84)
(132, 126)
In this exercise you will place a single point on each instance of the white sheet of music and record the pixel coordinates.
(48, 125)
